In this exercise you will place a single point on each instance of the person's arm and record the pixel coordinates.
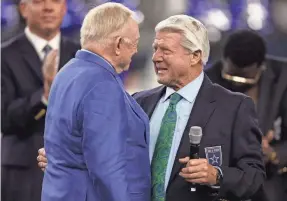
(104, 121)
(18, 113)
(246, 175)
(281, 147)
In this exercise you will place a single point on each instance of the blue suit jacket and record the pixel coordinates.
(96, 136)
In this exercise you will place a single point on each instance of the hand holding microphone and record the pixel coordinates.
(197, 171)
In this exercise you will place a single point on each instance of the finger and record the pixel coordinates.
(42, 159)
(184, 160)
(42, 165)
(42, 152)
(52, 54)
(195, 162)
(197, 175)
(197, 181)
(50, 60)
(194, 169)
(265, 143)
(43, 169)
(270, 135)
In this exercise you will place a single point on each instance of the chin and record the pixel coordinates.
(161, 81)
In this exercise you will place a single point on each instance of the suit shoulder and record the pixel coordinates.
(12, 44)
(85, 72)
(224, 93)
(214, 68)
(147, 93)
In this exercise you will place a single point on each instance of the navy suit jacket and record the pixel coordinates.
(21, 92)
(96, 136)
(231, 140)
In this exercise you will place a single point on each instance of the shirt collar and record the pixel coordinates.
(39, 43)
(188, 92)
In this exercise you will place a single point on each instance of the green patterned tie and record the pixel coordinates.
(162, 149)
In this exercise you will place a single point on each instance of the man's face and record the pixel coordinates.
(43, 16)
(240, 78)
(171, 60)
(129, 45)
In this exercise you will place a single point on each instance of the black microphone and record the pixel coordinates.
(195, 134)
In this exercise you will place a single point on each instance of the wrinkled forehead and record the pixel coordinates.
(167, 38)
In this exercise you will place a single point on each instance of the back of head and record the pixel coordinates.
(103, 21)
(194, 32)
(245, 48)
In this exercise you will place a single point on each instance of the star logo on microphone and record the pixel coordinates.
(214, 155)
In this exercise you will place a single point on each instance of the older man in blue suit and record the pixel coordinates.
(96, 135)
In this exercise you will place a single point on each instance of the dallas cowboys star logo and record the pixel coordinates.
(214, 155)
(214, 159)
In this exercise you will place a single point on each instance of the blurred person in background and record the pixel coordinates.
(96, 135)
(231, 163)
(244, 68)
(28, 66)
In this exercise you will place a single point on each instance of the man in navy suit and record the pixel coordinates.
(96, 136)
(29, 63)
(231, 164)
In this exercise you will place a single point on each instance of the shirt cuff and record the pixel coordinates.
(44, 100)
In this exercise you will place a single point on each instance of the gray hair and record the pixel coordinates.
(104, 21)
(194, 32)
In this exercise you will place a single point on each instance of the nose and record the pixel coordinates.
(157, 57)
(48, 5)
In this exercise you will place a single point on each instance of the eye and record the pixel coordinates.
(154, 48)
(166, 51)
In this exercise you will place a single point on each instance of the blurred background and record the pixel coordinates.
(221, 17)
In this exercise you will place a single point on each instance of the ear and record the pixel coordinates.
(195, 57)
(23, 9)
(118, 45)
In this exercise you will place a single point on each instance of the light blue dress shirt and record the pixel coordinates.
(183, 109)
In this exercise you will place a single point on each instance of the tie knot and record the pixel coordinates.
(47, 49)
(175, 98)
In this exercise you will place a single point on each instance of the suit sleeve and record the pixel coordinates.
(18, 112)
(281, 147)
(104, 140)
(246, 175)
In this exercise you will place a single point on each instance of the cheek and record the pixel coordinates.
(176, 67)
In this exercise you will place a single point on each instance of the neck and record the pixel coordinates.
(48, 35)
(105, 54)
(196, 71)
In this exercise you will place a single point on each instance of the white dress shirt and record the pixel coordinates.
(39, 44)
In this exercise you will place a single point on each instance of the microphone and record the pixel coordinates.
(195, 134)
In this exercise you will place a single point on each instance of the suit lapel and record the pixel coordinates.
(266, 94)
(202, 110)
(148, 105)
(31, 57)
(150, 102)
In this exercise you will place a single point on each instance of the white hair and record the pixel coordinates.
(103, 21)
(194, 32)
